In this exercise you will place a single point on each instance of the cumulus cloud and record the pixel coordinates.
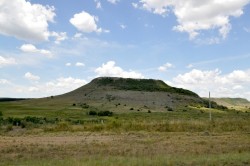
(42, 89)
(66, 82)
(165, 67)
(7, 61)
(31, 77)
(80, 64)
(196, 16)
(85, 22)
(59, 37)
(113, 1)
(135, 5)
(111, 70)
(29, 48)
(24, 20)
(234, 84)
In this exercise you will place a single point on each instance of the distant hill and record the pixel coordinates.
(108, 92)
(123, 94)
(11, 99)
(231, 102)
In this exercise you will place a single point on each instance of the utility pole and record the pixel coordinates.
(210, 114)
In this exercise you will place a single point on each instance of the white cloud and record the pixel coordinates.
(79, 64)
(31, 77)
(33, 89)
(4, 81)
(165, 67)
(98, 4)
(113, 1)
(135, 5)
(29, 48)
(238, 87)
(234, 84)
(7, 61)
(123, 26)
(78, 35)
(68, 64)
(61, 85)
(59, 37)
(247, 29)
(109, 69)
(195, 16)
(54, 87)
(190, 66)
(24, 20)
(85, 22)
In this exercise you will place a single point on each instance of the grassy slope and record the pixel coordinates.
(232, 101)
(239, 104)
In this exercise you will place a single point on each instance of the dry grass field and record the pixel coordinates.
(103, 125)
(125, 148)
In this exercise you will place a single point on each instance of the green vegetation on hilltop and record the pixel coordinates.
(148, 85)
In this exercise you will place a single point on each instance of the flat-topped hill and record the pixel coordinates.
(122, 94)
(108, 92)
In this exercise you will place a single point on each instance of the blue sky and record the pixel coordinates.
(49, 47)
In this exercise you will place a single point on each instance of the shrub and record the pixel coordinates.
(14, 121)
(170, 109)
(105, 113)
(34, 120)
(84, 105)
(149, 111)
(9, 128)
(73, 104)
(92, 113)
(131, 108)
(1, 114)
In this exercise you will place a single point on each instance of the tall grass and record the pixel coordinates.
(158, 160)
(163, 126)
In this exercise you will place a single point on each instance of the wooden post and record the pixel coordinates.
(210, 114)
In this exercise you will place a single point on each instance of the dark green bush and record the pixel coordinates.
(35, 120)
(1, 114)
(105, 113)
(170, 109)
(84, 105)
(92, 113)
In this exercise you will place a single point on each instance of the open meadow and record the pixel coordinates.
(64, 134)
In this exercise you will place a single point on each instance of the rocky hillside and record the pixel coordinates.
(111, 92)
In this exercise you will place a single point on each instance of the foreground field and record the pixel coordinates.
(62, 134)
(129, 148)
